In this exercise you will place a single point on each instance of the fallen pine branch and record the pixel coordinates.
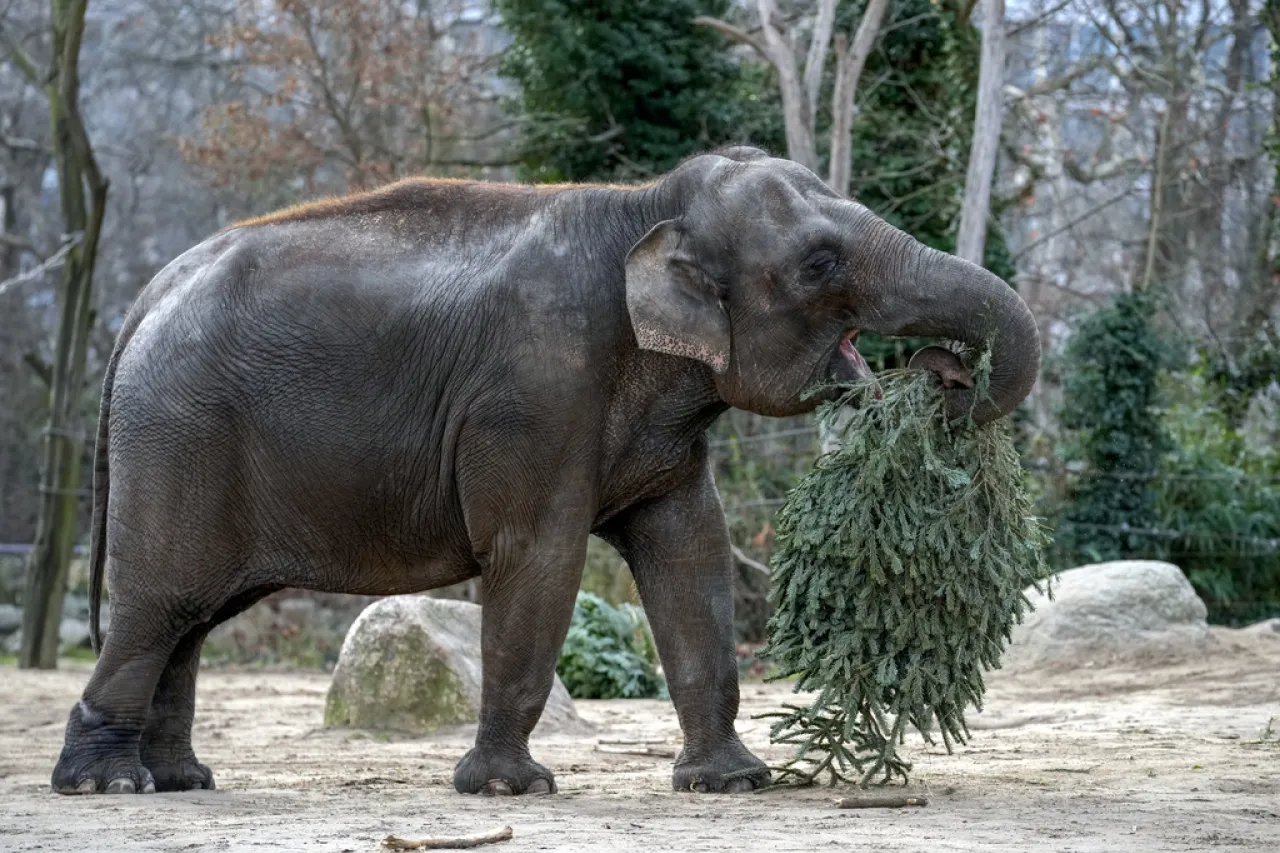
(391, 842)
(891, 802)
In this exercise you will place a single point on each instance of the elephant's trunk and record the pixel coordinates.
(928, 293)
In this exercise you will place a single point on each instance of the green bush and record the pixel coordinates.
(1218, 503)
(609, 653)
(1110, 404)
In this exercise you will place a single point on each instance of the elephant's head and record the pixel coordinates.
(767, 276)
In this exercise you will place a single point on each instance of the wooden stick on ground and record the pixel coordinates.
(393, 843)
(892, 801)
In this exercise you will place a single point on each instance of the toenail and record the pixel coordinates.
(539, 786)
(122, 786)
(88, 786)
(150, 788)
(496, 788)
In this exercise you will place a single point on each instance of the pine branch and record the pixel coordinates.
(899, 570)
(734, 34)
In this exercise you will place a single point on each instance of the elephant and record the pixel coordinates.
(439, 380)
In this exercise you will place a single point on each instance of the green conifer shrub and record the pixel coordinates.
(899, 572)
(609, 652)
(1111, 405)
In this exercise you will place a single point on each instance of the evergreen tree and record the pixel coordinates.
(622, 90)
(1110, 374)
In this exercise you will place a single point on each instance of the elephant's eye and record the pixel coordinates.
(820, 264)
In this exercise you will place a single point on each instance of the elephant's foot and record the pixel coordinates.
(99, 757)
(730, 769)
(494, 772)
(184, 774)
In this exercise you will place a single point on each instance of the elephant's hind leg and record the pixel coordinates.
(101, 750)
(166, 741)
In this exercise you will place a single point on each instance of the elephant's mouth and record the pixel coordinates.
(847, 364)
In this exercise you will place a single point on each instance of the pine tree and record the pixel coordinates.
(1110, 374)
(620, 90)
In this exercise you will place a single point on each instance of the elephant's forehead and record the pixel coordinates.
(773, 192)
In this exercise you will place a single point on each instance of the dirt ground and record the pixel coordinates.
(1173, 758)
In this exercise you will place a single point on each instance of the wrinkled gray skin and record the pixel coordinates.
(444, 380)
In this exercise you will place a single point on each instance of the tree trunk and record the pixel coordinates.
(976, 206)
(8, 224)
(797, 113)
(83, 193)
(849, 64)
(1260, 286)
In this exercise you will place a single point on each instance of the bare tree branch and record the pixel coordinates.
(21, 143)
(1031, 23)
(1062, 81)
(39, 367)
(21, 60)
(741, 557)
(849, 64)
(52, 262)
(14, 241)
(1072, 223)
(734, 34)
(816, 60)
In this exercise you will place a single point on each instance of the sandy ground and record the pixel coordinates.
(1174, 758)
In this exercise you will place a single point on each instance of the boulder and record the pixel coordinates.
(10, 619)
(1265, 628)
(73, 633)
(1137, 611)
(411, 663)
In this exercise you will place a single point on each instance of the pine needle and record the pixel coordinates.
(899, 572)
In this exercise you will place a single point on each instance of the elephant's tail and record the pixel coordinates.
(102, 484)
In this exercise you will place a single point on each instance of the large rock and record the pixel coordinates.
(411, 663)
(10, 619)
(73, 634)
(1138, 611)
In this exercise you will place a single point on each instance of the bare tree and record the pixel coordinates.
(83, 196)
(349, 94)
(800, 87)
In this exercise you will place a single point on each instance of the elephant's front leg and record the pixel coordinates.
(678, 550)
(530, 582)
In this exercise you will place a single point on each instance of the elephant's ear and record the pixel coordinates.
(675, 307)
